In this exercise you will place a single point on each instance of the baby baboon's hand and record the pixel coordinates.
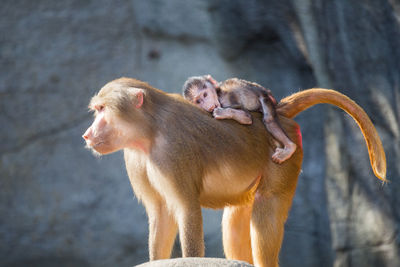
(219, 113)
(245, 119)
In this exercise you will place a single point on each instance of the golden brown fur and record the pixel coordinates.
(179, 158)
(298, 102)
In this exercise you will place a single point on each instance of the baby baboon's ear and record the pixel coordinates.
(211, 80)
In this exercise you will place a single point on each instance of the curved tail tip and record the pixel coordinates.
(382, 177)
(380, 174)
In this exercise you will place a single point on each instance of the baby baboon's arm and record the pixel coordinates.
(241, 116)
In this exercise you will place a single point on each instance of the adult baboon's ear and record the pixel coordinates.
(137, 95)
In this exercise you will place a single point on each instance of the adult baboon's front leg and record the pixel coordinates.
(191, 235)
(162, 230)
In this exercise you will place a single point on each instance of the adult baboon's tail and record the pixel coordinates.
(298, 102)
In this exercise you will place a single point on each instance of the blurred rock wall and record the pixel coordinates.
(60, 206)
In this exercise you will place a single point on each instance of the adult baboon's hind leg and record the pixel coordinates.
(272, 202)
(267, 227)
(236, 233)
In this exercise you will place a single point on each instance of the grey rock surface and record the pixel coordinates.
(60, 206)
(193, 262)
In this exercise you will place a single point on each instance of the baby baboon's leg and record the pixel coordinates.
(272, 125)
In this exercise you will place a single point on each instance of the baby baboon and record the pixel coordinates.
(234, 99)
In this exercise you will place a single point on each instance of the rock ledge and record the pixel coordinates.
(188, 262)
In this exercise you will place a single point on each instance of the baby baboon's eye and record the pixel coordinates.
(205, 95)
(197, 101)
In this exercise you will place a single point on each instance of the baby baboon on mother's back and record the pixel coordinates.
(234, 99)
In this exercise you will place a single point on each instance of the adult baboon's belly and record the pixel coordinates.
(228, 186)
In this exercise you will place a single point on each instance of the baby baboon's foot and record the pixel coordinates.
(282, 154)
